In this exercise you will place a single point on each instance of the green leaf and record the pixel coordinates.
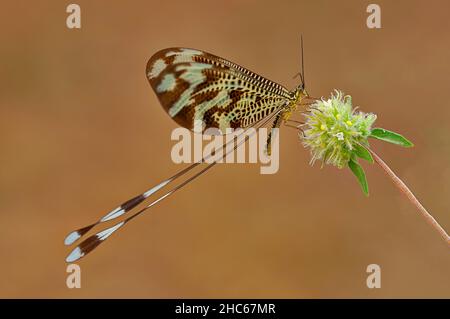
(360, 175)
(362, 152)
(391, 137)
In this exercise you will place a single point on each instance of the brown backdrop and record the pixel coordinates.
(81, 131)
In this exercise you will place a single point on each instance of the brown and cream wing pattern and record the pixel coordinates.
(193, 85)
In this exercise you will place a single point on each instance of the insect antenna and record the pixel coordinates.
(303, 64)
(301, 74)
(93, 241)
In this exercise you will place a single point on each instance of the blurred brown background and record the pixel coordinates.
(82, 131)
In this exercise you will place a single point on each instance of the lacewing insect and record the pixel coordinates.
(195, 86)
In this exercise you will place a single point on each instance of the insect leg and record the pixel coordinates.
(275, 125)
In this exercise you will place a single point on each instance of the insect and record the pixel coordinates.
(194, 86)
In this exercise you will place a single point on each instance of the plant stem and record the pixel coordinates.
(413, 199)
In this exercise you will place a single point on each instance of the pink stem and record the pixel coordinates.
(405, 190)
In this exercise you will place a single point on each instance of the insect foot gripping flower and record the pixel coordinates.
(337, 134)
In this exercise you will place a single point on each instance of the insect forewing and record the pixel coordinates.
(198, 87)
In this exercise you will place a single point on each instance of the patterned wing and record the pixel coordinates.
(193, 85)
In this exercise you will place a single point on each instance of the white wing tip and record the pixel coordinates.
(71, 238)
(74, 255)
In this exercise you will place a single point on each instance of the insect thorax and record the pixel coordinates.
(299, 93)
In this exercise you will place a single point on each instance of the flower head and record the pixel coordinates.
(334, 129)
